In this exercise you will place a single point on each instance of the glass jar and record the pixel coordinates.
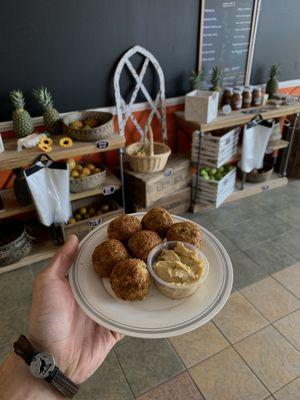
(227, 95)
(236, 100)
(256, 97)
(247, 97)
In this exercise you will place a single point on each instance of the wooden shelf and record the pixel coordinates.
(12, 207)
(41, 251)
(11, 158)
(250, 189)
(236, 118)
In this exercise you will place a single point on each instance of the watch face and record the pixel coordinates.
(42, 365)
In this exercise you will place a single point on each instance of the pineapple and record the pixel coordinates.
(21, 188)
(272, 85)
(216, 79)
(51, 116)
(22, 122)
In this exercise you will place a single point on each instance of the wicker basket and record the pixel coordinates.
(105, 128)
(155, 161)
(89, 182)
(20, 245)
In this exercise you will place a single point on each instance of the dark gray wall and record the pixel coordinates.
(278, 40)
(72, 46)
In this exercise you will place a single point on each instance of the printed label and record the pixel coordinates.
(107, 190)
(168, 172)
(95, 221)
(102, 144)
(266, 187)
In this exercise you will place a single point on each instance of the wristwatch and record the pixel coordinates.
(42, 365)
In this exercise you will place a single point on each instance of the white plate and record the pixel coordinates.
(156, 316)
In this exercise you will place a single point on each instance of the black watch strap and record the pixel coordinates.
(39, 361)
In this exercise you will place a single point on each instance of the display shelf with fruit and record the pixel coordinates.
(12, 207)
(11, 159)
(88, 213)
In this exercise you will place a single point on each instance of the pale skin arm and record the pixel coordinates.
(57, 325)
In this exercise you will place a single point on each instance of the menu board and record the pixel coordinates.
(226, 33)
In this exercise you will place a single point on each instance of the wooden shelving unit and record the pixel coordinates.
(44, 248)
(12, 207)
(10, 158)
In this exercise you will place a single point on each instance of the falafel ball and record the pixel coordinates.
(141, 243)
(130, 279)
(106, 255)
(158, 220)
(185, 232)
(123, 227)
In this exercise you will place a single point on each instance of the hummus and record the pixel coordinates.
(179, 266)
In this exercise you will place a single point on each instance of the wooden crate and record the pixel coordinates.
(176, 203)
(215, 192)
(82, 228)
(217, 148)
(145, 189)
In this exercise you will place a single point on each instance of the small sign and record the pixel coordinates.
(95, 222)
(107, 190)
(102, 144)
(168, 172)
(1, 144)
(266, 187)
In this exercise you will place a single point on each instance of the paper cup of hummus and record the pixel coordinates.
(177, 268)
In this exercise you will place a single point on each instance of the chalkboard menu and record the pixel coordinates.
(225, 40)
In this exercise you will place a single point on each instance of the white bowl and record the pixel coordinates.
(175, 291)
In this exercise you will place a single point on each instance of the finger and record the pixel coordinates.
(64, 258)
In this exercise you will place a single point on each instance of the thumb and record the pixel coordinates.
(63, 258)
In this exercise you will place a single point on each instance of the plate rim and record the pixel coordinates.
(188, 326)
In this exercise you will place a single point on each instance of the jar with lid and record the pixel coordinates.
(256, 96)
(227, 95)
(247, 97)
(236, 100)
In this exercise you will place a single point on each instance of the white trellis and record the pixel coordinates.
(157, 106)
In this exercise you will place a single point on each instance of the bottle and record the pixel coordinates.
(227, 95)
(247, 97)
(236, 100)
(256, 97)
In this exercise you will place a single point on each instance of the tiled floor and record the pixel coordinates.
(249, 351)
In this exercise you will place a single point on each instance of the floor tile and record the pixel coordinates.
(233, 213)
(289, 327)
(271, 357)
(238, 318)
(228, 244)
(271, 299)
(290, 278)
(5, 350)
(290, 215)
(15, 287)
(37, 267)
(13, 323)
(271, 257)
(289, 242)
(245, 271)
(108, 383)
(275, 199)
(225, 376)
(195, 346)
(179, 388)
(289, 392)
(147, 363)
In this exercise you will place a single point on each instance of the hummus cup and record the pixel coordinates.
(172, 290)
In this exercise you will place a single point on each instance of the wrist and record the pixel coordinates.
(16, 382)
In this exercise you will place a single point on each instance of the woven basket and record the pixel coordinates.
(89, 182)
(19, 247)
(154, 162)
(105, 128)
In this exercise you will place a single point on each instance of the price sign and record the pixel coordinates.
(168, 172)
(102, 144)
(95, 222)
(107, 190)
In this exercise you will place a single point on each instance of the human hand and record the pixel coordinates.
(59, 326)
